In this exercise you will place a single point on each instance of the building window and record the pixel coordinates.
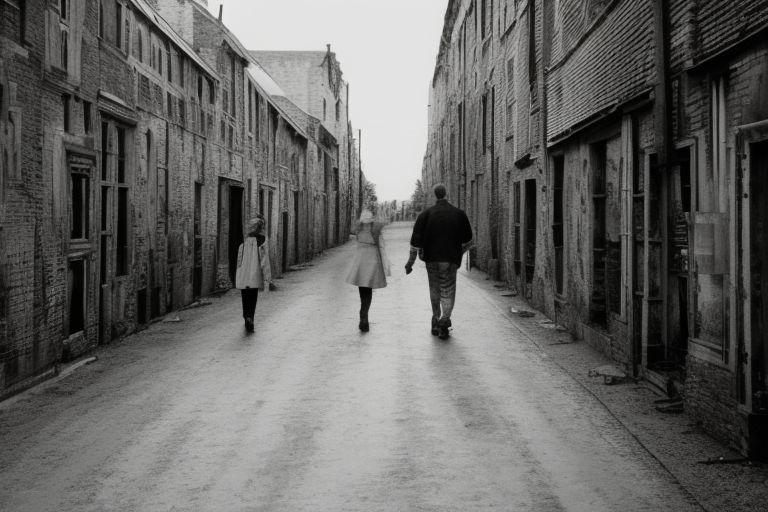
(121, 266)
(338, 110)
(87, 117)
(140, 45)
(101, 19)
(233, 82)
(211, 92)
(160, 60)
(534, 92)
(12, 19)
(118, 24)
(182, 112)
(121, 177)
(181, 69)
(325, 108)
(250, 107)
(168, 62)
(80, 206)
(718, 158)
(258, 114)
(66, 107)
(169, 105)
(115, 204)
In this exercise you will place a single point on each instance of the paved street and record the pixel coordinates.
(309, 414)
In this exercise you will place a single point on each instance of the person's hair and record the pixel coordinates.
(439, 191)
(256, 225)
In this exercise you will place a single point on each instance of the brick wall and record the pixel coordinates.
(610, 63)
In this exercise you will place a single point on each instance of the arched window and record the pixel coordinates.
(140, 45)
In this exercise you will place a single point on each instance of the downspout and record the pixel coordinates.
(662, 115)
(662, 112)
(548, 19)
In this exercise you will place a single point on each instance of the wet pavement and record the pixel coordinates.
(310, 414)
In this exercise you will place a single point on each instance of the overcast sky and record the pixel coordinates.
(387, 51)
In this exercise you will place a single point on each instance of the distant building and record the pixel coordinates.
(314, 82)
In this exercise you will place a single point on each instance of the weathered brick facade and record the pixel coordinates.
(610, 154)
(128, 165)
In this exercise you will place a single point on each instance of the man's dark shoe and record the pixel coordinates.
(443, 325)
(249, 324)
(435, 330)
(363, 323)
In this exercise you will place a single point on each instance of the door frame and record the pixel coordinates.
(746, 135)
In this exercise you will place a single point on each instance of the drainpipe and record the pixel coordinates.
(663, 93)
(663, 145)
(547, 19)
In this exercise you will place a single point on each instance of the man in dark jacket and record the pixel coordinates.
(440, 237)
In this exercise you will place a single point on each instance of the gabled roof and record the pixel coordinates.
(143, 7)
(272, 91)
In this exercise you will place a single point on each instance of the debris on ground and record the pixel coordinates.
(522, 312)
(199, 304)
(609, 373)
(272, 287)
(509, 294)
(300, 266)
(549, 324)
(724, 460)
(669, 405)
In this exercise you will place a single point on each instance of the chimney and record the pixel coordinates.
(221, 11)
(329, 47)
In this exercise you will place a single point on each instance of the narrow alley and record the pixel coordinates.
(308, 413)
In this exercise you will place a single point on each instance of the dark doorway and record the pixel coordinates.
(77, 287)
(759, 277)
(235, 227)
(284, 259)
(530, 234)
(597, 303)
(337, 207)
(197, 279)
(295, 228)
(679, 230)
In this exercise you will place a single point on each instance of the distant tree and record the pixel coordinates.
(370, 200)
(418, 200)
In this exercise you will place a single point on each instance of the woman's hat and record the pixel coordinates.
(366, 216)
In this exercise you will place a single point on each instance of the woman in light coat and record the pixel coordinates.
(253, 268)
(369, 266)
